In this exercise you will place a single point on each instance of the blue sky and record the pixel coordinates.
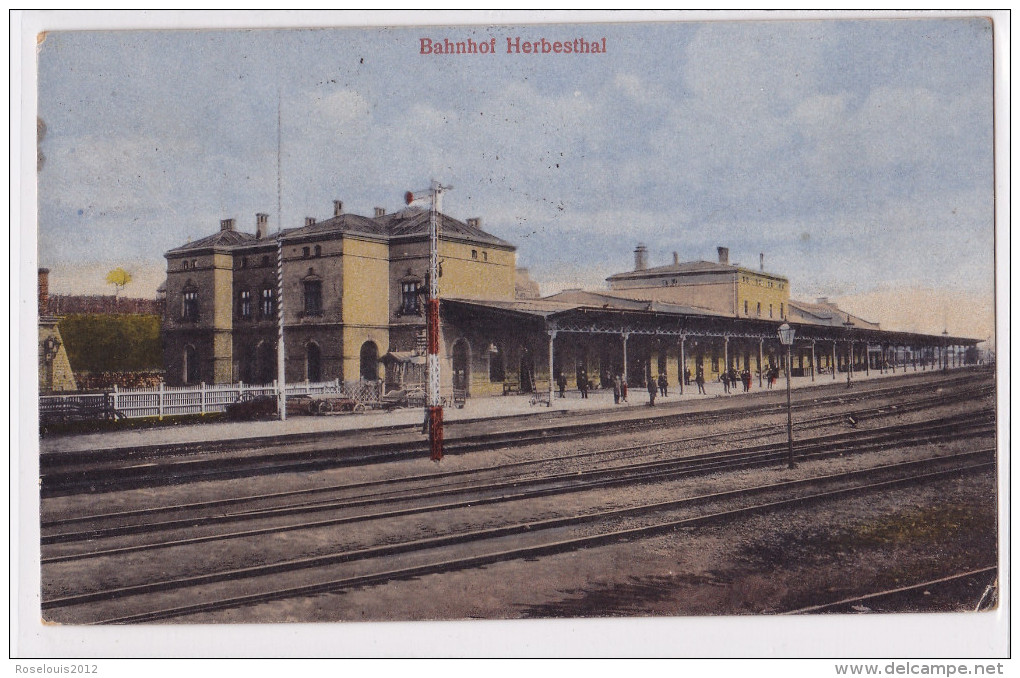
(856, 155)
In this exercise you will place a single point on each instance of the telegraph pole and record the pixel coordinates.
(434, 405)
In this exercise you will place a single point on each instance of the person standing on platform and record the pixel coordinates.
(617, 387)
(699, 379)
(725, 379)
(687, 376)
(663, 385)
(583, 383)
(652, 389)
(746, 376)
(623, 389)
(561, 382)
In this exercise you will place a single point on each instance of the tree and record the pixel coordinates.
(119, 278)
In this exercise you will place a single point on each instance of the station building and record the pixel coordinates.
(353, 291)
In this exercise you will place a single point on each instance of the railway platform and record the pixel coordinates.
(516, 411)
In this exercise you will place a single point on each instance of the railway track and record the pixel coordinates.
(79, 476)
(345, 569)
(981, 583)
(398, 556)
(499, 485)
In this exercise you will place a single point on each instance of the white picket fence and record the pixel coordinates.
(203, 399)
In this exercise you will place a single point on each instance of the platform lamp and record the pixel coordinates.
(786, 339)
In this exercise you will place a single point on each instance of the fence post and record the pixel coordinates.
(202, 410)
(116, 404)
(160, 394)
(240, 389)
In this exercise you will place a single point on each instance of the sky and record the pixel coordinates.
(856, 155)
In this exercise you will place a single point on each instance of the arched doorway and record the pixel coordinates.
(313, 362)
(461, 365)
(192, 373)
(247, 367)
(369, 361)
(265, 362)
(527, 371)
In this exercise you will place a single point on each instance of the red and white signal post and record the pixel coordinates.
(434, 405)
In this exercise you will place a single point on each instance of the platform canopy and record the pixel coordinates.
(597, 313)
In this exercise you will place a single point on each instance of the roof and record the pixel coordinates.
(576, 300)
(687, 268)
(225, 239)
(624, 302)
(825, 314)
(408, 223)
(415, 222)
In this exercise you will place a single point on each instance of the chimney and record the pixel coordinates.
(676, 259)
(338, 208)
(309, 221)
(724, 255)
(761, 261)
(475, 222)
(44, 289)
(226, 224)
(380, 211)
(261, 225)
(640, 258)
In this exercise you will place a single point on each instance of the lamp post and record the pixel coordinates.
(786, 339)
(850, 351)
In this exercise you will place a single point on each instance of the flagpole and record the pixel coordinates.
(281, 376)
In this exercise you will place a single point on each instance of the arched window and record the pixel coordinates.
(369, 361)
(189, 303)
(244, 304)
(313, 362)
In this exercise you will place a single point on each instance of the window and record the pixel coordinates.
(265, 260)
(267, 307)
(782, 311)
(745, 306)
(313, 297)
(409, 298)
(318, 250)
(770, 310)
(305, 252)
(759, 309)
(715, 363)
(244, 304)
(485, 256)
(244, 262)
(184, 264)
(189, 305)
(474, 254)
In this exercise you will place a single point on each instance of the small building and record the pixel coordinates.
(55, 373)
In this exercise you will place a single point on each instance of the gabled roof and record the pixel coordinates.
(225, 239)
(825, 314)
